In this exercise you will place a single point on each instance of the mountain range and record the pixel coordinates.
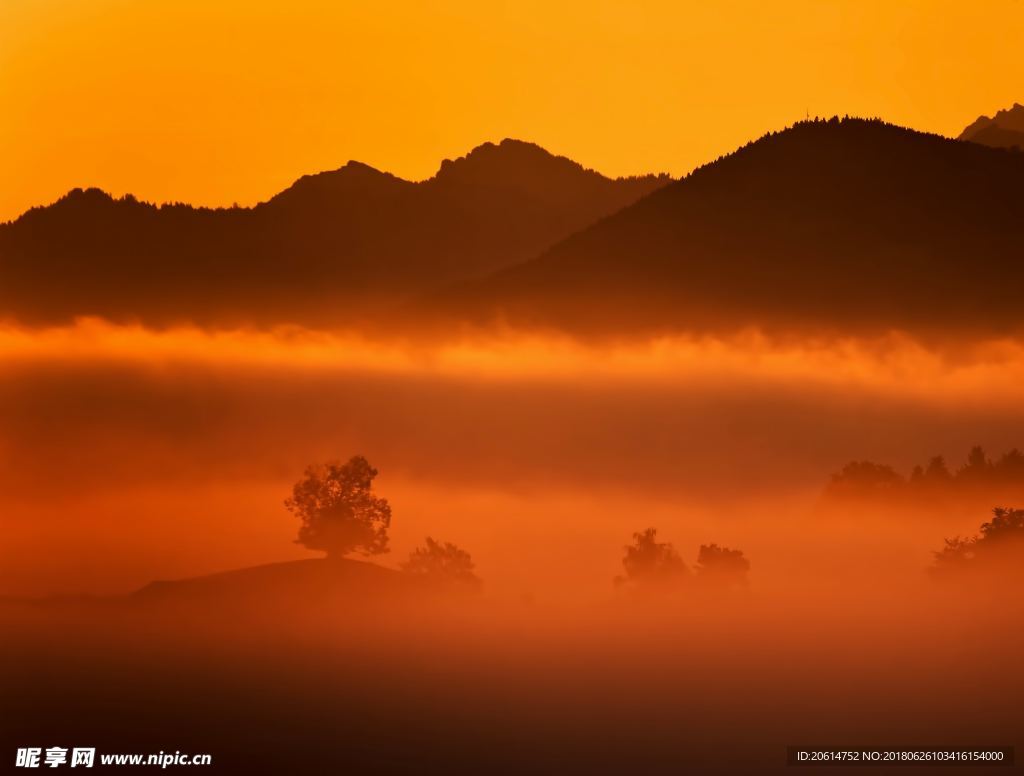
(850, 224)
(332, 248)
(845, 224)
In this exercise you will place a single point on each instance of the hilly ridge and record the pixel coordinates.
(330, 249)
(845, 224)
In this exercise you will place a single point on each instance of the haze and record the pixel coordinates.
(473, 455)
(214, 103)
(513, 444)
(132, 454)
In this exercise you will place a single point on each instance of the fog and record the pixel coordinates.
(132, 455)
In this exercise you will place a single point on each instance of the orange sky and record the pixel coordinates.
(214, 102)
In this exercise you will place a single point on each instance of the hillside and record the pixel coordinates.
(296, 584)
(850, 224)
(332, 248)
(310, 582)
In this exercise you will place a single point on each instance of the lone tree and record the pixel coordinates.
(442, 563)
(721, 566)
(339, 512)
(648, 561)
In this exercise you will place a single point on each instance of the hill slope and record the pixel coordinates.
(842, 224)
(332, 247)
(293, 583)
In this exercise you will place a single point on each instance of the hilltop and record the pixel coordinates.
(844, 224)
(1004, 130)
(332, 248)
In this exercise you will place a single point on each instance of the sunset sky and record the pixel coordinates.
(215, 102)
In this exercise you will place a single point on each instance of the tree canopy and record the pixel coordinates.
(339, 512)
(721, 566)
(649, 561)
(998, 547)
(443, 563)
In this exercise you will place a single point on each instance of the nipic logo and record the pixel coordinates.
(54, 756)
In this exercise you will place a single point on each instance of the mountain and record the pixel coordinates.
(1004, 130)
(846, 224)
(331, 248)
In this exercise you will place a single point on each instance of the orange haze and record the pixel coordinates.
(212, 103)
(131, 453)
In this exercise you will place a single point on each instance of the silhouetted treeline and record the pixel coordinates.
(869, 480)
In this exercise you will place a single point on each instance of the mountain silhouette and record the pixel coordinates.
(1004, 130)
(331, 248)
(842, 223)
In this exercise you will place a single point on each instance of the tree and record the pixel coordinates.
(999, 546)
(978, 467)
(1010, 467)
(442, 563)
(1006, 525)
(649, 561)
(339, 512)
(722, 566)
(937, 472)
(956, 556)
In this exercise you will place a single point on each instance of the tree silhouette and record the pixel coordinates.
(442, 563)
(1006, 525)
(978, 466)
(721, 566)
(1010, 467)
(937, 472)
(998, 546)
(338, 510)
(648, 561)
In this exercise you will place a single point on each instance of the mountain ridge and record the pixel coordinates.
(353, 169)
(334, 247)
(1003, 130)
(844, 223)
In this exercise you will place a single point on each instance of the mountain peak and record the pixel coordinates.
(333, 248)
(852, 224)
(1013, 115)
(515, 162)
(1003, 130)
(351, 179)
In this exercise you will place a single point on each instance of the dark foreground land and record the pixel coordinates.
(300, 668)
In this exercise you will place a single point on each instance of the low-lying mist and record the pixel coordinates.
(132, 455)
